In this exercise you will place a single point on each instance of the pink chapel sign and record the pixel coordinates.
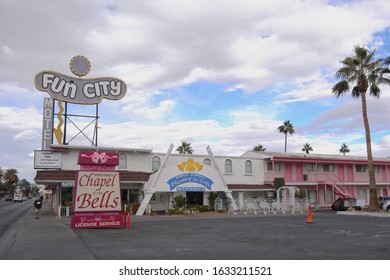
(97, 195)
(98, 158)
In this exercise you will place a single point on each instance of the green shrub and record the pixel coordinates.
(300, 194)
(179, 201)
(212, 197)
(279, 182)
(175, 212)
(204, 208)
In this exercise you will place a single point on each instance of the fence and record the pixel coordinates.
(64, 211)
(252, 205)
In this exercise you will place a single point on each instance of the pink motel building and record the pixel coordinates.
(326, 177)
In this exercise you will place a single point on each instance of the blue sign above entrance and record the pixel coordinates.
(192, 181)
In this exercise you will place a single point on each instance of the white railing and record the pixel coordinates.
(64, 211)
(254, 205)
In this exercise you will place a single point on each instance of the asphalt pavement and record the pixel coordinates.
(47, 238)
(210, 236)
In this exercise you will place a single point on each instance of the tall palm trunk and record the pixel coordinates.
(373, 193)
(285, 143)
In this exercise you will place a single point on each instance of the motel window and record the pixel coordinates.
(248, 167)
(361, 168)
(376, 169)
(228, 166)
(207, 161)
(276, 166)
(156, 162)
(328, 167)
(310, 167)
(122, 161)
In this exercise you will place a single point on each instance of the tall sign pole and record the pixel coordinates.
(74, 90)
(97, 195)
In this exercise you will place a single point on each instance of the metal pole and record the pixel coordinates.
(96, 127)
(65, 123)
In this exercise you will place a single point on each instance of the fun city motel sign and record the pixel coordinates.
(77, 90)
(96, 199)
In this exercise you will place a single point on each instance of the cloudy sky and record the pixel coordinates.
(220, 73)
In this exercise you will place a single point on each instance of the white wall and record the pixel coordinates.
(142, 161)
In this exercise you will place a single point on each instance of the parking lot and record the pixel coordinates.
(243, 237)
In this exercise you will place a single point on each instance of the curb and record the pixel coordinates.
(359, 213)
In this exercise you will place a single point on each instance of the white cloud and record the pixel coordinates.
(315, 89)
(19, 119)
(27, 135)
(163, 108)
(282, 52)
(7, 51)
(252, 43)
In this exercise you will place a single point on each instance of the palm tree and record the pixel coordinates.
(1, 182)
(25, 186)
(286, 128)
(307, 148)
(344, 149)
(364, 73)
(11, 179)
(185, 148)
(259, 148)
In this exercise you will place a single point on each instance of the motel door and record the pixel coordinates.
(299, 172)
(288, 172)
(341, 172)
(350, 172)
(384, 173)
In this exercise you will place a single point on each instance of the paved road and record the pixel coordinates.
(47, 238)
(243, 237)
(12, 217)
(214, 237)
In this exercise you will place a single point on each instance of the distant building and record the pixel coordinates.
(154, 179)
(326, 177)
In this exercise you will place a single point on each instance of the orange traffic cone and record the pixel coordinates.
(309, 216)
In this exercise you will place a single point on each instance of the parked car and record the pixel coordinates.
(344, 203)
(382, 200)
(386, 205)
(8, 198)
(18, 198)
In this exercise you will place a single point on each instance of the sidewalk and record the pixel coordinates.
(47, 238)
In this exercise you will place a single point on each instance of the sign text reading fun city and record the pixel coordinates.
(81, 91)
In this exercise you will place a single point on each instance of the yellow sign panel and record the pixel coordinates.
(190, 165)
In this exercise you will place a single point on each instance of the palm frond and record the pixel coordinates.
(361, 52)
(375, 90)
(383, 81)
(369, 57)
(345, 73)
(340, 88)
(386, 61)
(355, 92)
